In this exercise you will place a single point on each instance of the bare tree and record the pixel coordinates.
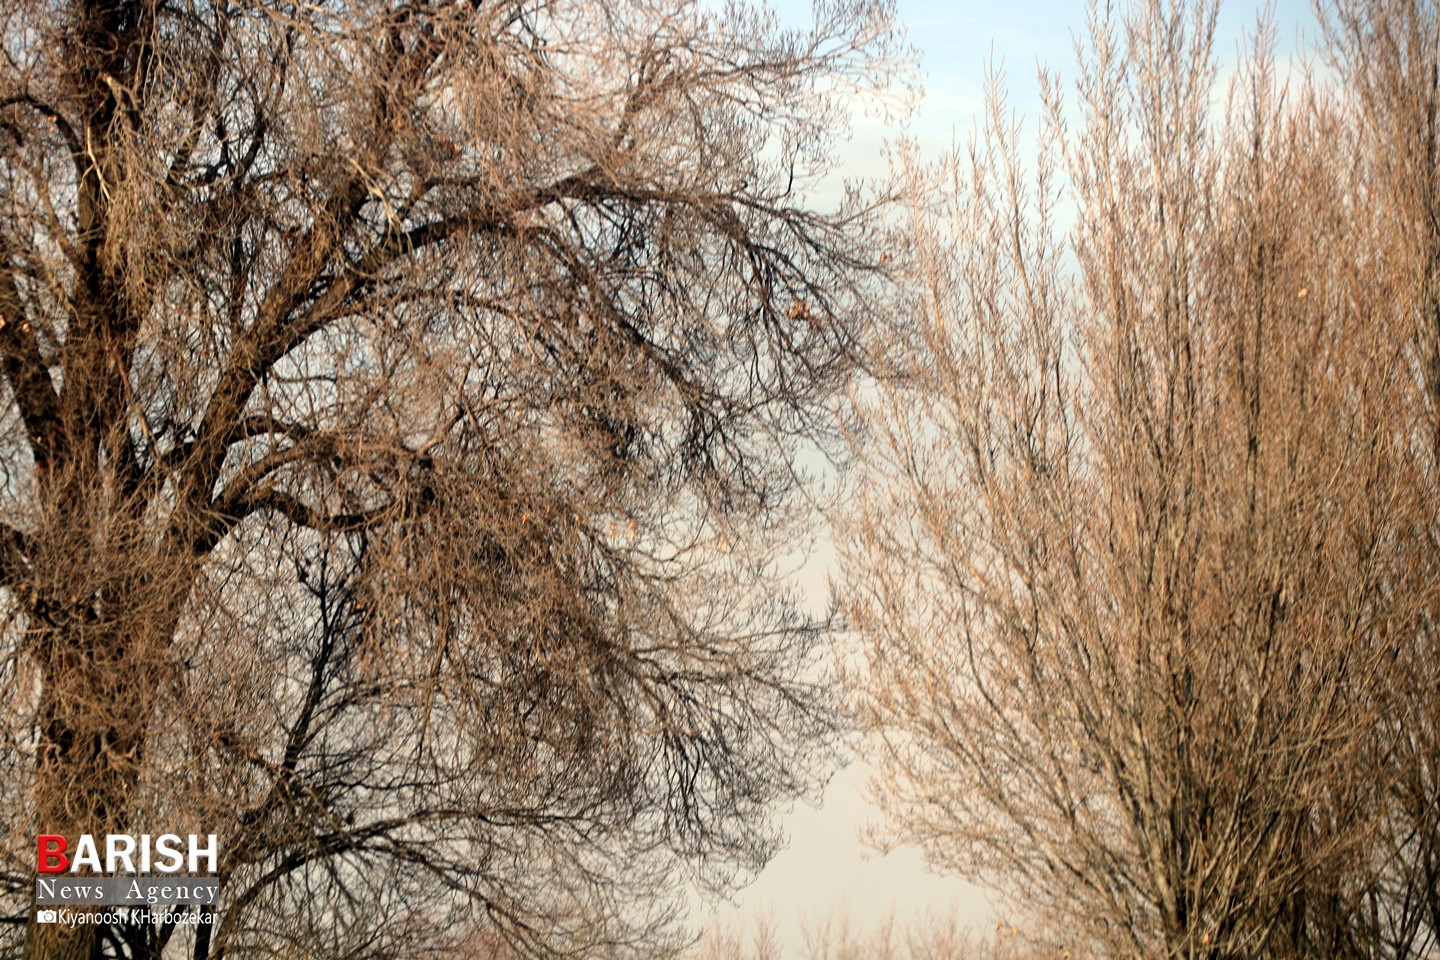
(399, 408)
(1135, 539)
(1387, 54)
(838, 938)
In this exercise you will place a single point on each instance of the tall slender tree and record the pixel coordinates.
(1387, 55)
(1136, 553)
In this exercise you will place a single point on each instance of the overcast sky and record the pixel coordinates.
(826, 870)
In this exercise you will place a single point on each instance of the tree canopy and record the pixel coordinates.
(399, 411)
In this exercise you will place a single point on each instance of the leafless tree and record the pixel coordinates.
(1387, 54)
(399, 412)
(839, 938)
(1135, 551)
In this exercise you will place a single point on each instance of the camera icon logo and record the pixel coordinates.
(46, 916)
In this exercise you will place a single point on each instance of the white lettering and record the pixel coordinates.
(168, 858)
(211, 853)
(119, 848)
(85, 855)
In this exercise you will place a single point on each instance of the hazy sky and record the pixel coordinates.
(825, 870)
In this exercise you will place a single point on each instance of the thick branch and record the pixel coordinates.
(13, 555)
(27, 375)
(230, 513)
(277, 329)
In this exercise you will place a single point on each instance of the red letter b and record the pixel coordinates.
(51, 857)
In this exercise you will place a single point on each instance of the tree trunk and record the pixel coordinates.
(92, 731)
(55, 941)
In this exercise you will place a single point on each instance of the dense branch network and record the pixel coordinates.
(400, 404)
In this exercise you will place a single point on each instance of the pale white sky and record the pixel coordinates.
(825, 870)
